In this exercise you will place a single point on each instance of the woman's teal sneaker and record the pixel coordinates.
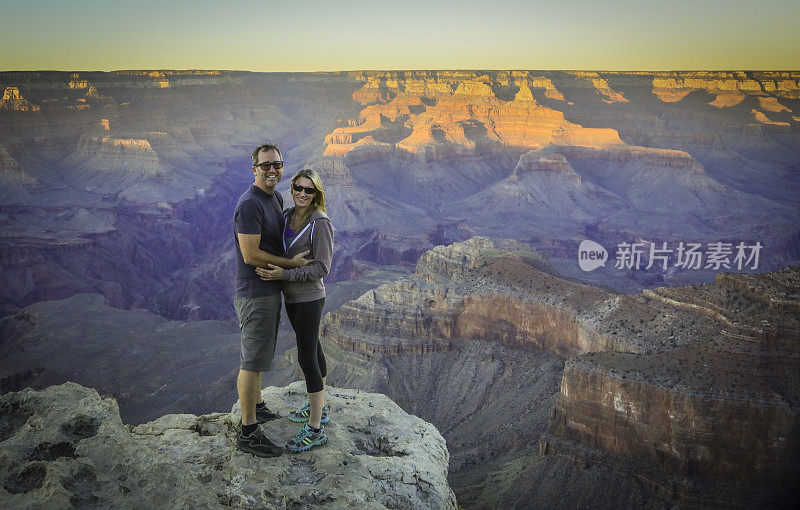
(306, 439)
(304, 413)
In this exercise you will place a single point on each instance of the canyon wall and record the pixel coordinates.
(410, 160)
(657, 382)
(692, 400)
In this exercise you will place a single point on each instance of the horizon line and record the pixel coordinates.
(605, 70)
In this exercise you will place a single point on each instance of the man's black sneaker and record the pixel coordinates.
(264, 414)
(258, 444)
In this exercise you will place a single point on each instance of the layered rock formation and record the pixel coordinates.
(422, 132)
(692, 390)
(729, 87)
(14, 182)
(128, 166)
(483, 330)
(460, 115)
(77, 83)
(601, 86)
(724, 407)
(66, 446)
(409, 160)
(438, 314)
(166, 172)
(12, 100)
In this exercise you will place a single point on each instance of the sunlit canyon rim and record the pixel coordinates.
(460, 199)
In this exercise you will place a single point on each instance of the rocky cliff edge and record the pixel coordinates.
(67, 446)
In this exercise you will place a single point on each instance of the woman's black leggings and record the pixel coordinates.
(305, 319)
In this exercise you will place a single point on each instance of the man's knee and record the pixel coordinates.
(248, 377)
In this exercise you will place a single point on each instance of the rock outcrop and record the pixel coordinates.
(440, 305)
(730, 87)
(14, 180)
(12, 100)
(693, 388)
(77, 83)
(409, 160)
(724, 406)
(418, 159)
(471, 133)
(462, 115)
(66, 446)
(114, 155)
(762, 118)
(601, 86)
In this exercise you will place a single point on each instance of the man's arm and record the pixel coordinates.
(254, 256)
(323, 253)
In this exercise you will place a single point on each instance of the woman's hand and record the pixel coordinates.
(299, 260)
(271, 272)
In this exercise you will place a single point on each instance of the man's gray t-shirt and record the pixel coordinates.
(258, 212)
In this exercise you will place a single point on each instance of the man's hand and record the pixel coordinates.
(299, 261)
(271, 272)
(254, 256)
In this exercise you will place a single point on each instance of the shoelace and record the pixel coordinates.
(307, 406)
(300, 436)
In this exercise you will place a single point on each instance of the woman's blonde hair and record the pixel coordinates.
(318, 202)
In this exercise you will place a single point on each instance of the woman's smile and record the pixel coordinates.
(302, 198)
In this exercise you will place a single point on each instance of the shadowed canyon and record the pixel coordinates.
(460, 200)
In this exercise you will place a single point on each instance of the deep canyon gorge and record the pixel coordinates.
(459, 199)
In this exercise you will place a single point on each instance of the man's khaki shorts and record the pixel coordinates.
(259, 319)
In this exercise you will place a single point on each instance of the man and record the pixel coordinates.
(258, 227)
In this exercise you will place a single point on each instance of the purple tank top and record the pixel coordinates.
(288, 233)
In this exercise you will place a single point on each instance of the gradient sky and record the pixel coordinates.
(413, 34)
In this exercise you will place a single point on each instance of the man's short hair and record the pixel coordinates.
(264, 147)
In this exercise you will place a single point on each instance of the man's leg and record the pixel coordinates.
(249, 386)
(259, 319)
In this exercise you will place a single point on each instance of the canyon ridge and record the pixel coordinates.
(460, 200)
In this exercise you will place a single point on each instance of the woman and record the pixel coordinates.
(307, 228)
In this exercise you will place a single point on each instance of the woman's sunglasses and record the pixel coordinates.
(265, 166)
(298, 188)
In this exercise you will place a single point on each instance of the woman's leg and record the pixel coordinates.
(323, 370)
(305, 319)
(316, 401)
(323, 367)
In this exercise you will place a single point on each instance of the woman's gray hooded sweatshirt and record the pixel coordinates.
(303, 284)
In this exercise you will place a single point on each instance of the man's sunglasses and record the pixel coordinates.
(298, 188)
(265, 165)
